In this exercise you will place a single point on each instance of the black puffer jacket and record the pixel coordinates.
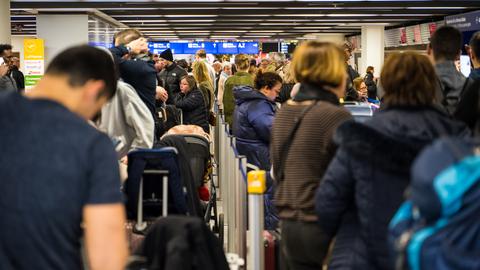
(169, 78)
(350, 92)
(371, 85)
(365, 182)
(193, 107)
(181, 243)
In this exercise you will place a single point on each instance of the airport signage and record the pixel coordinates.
(34, 63)
(465, 22)
(209, 47)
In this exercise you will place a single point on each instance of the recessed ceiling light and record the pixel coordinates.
(139, 21)
(189, 16)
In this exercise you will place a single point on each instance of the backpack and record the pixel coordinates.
(438, 227)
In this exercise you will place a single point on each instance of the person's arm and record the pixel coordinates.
(103, 210)
(131, 66)
(467, 109)
(140, 119)
(105, 236)
(221, 87)
(335, 192)
(261, 118)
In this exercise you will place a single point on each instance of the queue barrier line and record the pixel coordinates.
(236, 196)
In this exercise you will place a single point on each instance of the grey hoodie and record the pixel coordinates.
(127, 119)
(7, 84)
(451, 84)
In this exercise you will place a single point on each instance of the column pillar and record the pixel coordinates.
(6, 27)
(61, 31)
(373, 47)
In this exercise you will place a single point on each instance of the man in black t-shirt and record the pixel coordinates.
(59, 177)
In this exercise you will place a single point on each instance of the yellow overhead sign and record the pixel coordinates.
(33, 49)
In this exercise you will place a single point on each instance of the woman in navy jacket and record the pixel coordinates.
(252, 123)
(192, 103)
(366, 180)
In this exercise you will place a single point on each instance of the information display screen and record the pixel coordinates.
(228, 47)
(193, 47)
(158, 47)
(209, 47)
(248, 47)
(177, 48)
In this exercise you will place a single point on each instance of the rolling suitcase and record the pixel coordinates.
(271, 240)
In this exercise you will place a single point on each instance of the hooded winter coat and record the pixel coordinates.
(253, 118)
(365, 182)
(240, 78)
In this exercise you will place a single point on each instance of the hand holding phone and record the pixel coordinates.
(3, 68)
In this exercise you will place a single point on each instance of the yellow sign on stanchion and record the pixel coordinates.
(256, 182)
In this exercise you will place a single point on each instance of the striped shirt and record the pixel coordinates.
(308, 157)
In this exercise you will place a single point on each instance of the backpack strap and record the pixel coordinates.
(286, 146)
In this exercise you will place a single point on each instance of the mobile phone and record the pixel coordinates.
(2, 61)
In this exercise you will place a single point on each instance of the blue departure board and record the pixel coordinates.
(248, 47)
(209, 47)
(227, 47)
(158, 47)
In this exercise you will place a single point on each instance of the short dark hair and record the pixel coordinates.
(84, 63)
(407, 80)
(475, 44)
(446, 43)
(183, 64)
(4, 47)
(268, 79)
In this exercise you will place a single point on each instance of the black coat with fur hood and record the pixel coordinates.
(365, 182)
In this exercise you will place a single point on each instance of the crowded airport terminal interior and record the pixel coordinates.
(240, 134)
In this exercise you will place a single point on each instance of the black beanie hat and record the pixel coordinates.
(167, 55)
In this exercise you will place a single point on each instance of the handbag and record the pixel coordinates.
(212, 118)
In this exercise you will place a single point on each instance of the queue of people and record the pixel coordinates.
(333, 184)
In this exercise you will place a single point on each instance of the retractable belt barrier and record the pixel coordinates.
(232, 182)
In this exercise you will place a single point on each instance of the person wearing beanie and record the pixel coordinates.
(169, 78)
(167, 55)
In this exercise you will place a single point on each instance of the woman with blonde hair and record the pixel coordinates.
(205, 84)
(366, 180)
(288, 83)
(301, 147)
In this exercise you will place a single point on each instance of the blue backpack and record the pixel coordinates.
(438, 227)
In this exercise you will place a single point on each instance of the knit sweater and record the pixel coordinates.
(308, 157)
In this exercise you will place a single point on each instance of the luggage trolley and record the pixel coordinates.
(154, 187)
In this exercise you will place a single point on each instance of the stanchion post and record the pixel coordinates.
(256, 189)
(241, 183)
(231, 200)
(225, 185)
